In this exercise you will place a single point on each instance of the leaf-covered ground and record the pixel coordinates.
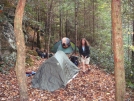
(95, 85)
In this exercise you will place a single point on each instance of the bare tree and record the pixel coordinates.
(118, 51)
(20, 43)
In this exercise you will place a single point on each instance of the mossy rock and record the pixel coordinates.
(32, 52)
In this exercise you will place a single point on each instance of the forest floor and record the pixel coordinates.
(95, 85)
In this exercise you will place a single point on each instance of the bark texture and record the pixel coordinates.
(118, 51)
(20, 44)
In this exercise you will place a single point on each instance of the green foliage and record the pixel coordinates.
(32, 52)
(67, 5)
(33, 17)
(29, 61)
(130, 84)
(131, 47)
(38, 58)
(128, 17)
(129, 71)
(102, 58)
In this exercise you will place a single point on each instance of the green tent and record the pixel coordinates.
(54, 73)
(58, 46)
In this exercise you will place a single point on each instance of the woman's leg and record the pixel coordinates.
(83, 64)
(87, 62)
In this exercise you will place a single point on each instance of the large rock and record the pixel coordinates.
(8, 33)
(7, 46)
(7, 39)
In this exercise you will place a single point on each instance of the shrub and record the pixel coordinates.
(32, 52)
(103, 59)
(29, 61)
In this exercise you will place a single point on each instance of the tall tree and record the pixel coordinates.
(20, 43)
(38, 28)
(93, 19)
(33, 40)
(89, 21)
(118, 50)
(66, 24)
(76, 11)
(84, 18)
(133, 46)
(60, 29)
(49, 24)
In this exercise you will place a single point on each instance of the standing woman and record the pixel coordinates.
(84, 53)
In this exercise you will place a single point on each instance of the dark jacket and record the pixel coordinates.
(86, 52)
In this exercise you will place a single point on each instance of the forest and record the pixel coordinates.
(108, 25)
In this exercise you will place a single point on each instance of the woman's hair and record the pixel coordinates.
(86, 42)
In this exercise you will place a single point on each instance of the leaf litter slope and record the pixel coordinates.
(95, 85)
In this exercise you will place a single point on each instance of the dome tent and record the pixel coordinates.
(55, 73)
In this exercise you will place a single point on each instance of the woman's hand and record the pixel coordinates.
(82, 56)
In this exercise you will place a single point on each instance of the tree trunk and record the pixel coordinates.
(38, 33)
(133, 45)
(20, 43)
(49, 29)
(89, 16)
(118, 51)
(38, 40)
(47, 26)
(76, 10)
(93, 20)
(128, 38)
(33, 40)
(66, 24)
(84, 18)
(60, 33)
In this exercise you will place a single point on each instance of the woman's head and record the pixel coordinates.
(84, 42)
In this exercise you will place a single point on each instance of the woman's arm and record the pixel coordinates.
(80, 51)
(87, 51)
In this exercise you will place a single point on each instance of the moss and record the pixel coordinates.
(38, 58)
(29, 61)
(32, 52)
